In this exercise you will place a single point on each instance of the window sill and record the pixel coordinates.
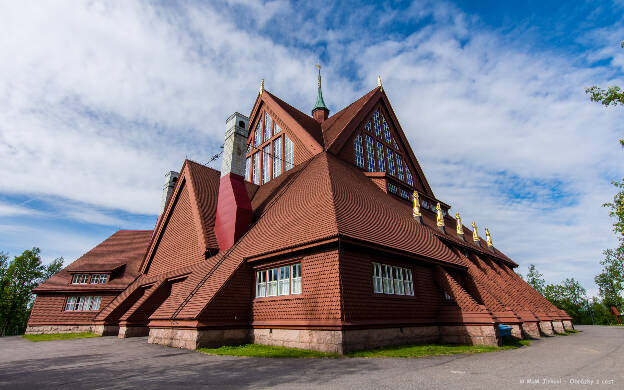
(289, 297)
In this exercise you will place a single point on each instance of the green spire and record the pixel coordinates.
(320, 104)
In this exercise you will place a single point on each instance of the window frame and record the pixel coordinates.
(288, 281)
(392, 280)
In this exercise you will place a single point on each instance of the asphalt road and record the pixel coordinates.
(593, 358)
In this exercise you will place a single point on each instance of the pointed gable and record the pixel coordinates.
(368, 134)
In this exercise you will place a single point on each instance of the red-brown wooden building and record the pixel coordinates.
(306, 238)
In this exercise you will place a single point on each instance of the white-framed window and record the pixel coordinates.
(388, 279)
(258, 134)
(248, 169)
(390, 157)
(276, 129)
(359, 152)
(261, 284)
(268, 124)
(370, 154)
(376, 124)
(83, 303)
(295, 278)
(399, 163)
(387, 135)
(398, 280)
(98, 278)
(408, 284)
(284, 280)
(289, 153)
(256, 168)
(381, 160)
(80, 279)
(377, 279)
(266, 163)
(408, 174)
(272, 282)
(277, 156)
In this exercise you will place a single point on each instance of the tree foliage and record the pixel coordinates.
(611, 280)
(536, 279)
(610, 96)
(17, 280)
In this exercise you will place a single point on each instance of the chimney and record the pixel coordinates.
(233, 204)
(171, 178)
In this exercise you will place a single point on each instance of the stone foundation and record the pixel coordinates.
(317, 340)
(194, 338)
(49, 329)
(132, 331)
(558, 327)
(530, 330)
(469, 334)
(105, 330)
(546, 328)
(567, 325)
(516, 331)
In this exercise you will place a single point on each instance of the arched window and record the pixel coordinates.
(359, 152)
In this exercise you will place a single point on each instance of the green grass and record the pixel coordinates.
(403, 351)
(58, 336)
(571, 331)
(266, 351)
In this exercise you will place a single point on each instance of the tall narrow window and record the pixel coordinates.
(399, 164)
(248, 169)
(408, 283)
(370, 154)
(276, 129)
(289, 152)
(398, 280)
(408, 174)
(266, 163)
(387, 279)
(272, 282)
(377, 279)
(268, 124)
(256, 168)
(277, 156)
(295, 279)
(387, 132)
(390, 156)
(359, 152)
(376, 124)
(258, 134)
(367, 126)
(261, 284)
(381, 160)
(95, 303)
(284, 280)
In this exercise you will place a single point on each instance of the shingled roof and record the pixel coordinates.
(124, 250)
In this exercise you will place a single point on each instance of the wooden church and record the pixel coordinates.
(319, 232)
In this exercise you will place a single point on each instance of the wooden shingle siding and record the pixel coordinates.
(50, 309)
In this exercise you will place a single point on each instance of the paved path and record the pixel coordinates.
(596, 354)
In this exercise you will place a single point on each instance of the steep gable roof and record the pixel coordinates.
(341, 126)
(123, 251)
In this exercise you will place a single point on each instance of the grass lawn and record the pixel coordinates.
(404, 351)
(58, 336)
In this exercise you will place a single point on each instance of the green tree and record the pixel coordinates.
(536, 279)
(18, 279)
(569, 296)
(611, 280)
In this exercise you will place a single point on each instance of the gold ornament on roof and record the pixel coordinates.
(379, 83)
(488, 238)
(439, 217)
(475, 234)
(416, 205)
(318, 66)
(460, 227)
(261, 86)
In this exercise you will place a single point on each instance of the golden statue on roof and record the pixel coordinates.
(460, 227)
(261, 86)
(475, 234)
(488, 238)
(415, 205)
(439, 217)
(379, 83)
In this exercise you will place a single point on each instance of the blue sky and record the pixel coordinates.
(100, 99)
